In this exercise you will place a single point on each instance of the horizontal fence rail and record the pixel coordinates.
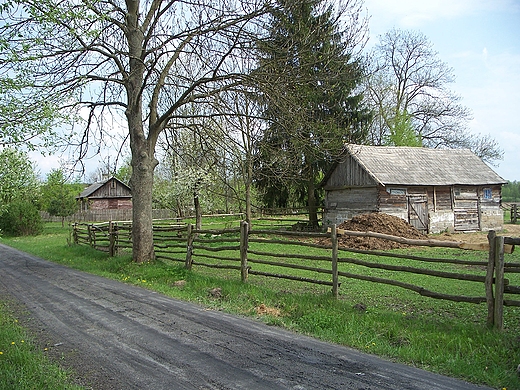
(244, 250)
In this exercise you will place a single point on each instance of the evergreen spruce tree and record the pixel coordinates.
(311, 103)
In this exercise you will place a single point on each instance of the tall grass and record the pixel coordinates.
(441, 336)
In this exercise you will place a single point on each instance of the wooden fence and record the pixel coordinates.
(106, 215)
(241, 249)
(512, 208)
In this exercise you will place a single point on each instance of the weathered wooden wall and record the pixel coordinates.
(349, 174)
(343, 204)
(491, 214)
(111, 189)
(460, 208)
(440, 206)
(110, 204)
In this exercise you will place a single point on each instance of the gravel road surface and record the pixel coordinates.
(117, 336)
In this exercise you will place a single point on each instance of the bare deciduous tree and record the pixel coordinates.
(141, 60)
(408, 79)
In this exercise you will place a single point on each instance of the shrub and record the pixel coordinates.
(21, 218)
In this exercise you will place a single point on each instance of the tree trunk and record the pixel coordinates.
(141, 183)
(142, 148)
(198, 212)
(180, 209)
(313, 213)
(248, 183)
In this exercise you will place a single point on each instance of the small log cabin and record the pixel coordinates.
(434, 190)
(108, 194)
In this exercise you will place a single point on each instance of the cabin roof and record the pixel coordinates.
(91, 189)
(423, 166)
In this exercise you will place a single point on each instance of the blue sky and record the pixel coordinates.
(480, 40)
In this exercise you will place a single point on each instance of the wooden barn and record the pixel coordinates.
(108, 194)
(432, 189)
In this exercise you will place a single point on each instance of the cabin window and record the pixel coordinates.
(488, 194)
(113, 184)
(397, 191)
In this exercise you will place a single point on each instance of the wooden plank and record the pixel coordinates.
(217, 266)
(244, 246)
(290, 277)
(189, 247)
(296, 256)
(499, 283)
(512, 240)
(217, 248)
(476, 247)
(485, 247)
(490, 270)
(222, 258)
(417, 289)
(428, 242)
(508, 302)
(512, 289)
(290, 233)
(293, 266)
(334, 240)
(285, 242)
(418, 258)
(414, 270)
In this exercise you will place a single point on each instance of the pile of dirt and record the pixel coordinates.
(377, 223)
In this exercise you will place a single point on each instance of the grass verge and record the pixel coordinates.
(22, 365)
(441, 336)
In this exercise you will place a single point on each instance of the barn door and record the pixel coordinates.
(418, 212)
(465, 201)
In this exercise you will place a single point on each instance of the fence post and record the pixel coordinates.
(499, 283)
(514, 213)
(244, 243)
(189, 247)
(75, 233)
(89, 230)
(111, 240)
(334, 240)
(490, 300)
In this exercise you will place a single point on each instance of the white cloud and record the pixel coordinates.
(44, 163)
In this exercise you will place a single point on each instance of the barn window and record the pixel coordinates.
(113, 184)
(397, 191)
(488, 194)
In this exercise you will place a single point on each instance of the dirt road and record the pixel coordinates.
(118, 336)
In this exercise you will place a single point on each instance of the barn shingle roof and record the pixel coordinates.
(423, 166)
(91, 189)
(96, 186)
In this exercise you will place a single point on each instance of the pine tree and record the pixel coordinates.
(311, 104)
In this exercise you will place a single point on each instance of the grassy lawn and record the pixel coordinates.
(441, 336)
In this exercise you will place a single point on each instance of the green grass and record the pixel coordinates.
(441, 336)
(22, 365)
